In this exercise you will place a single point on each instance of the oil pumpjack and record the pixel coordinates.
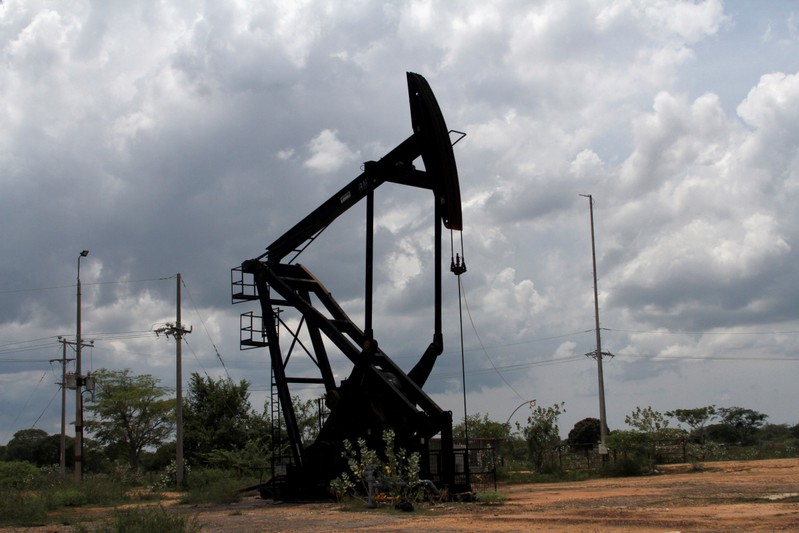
(377, 395)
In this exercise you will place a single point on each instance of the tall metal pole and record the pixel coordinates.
(179, 391)
(79, 387)
(603, 427)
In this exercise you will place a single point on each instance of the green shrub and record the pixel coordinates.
(212, 485)
(20, 504)
(65, 497)
(396, 476)
(100, 489)
(122, 473)
(630, 466)
(18, 475)
(168, 479)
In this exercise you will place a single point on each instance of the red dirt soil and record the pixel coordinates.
(723, 497)
(726, 496)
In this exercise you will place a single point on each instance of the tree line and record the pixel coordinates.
(651, 437)
(132, 422)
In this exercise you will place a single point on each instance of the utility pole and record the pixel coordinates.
(63, 447)
(178, 331)
(79, 388)
(598, 354)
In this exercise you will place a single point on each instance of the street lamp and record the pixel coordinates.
(530, 402)
(79, 387)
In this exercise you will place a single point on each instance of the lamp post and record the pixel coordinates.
(79, 387)
(530, 402)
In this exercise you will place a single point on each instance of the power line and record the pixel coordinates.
(208, 333)
(471, 321)
(45, 408)
(508, 368)
(31, 340)
(129, 335)
(36, 289)
(24, 360)
(656, 358)
(27, 400)
(678, 332)
(55, 287)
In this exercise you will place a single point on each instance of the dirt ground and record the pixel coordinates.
(729, 496)
(723, 497)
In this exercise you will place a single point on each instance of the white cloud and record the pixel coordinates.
(586, 164)
(770, 109)
(517, 304)
(402, 265)
(285, 154)
(721, 252)
(328, 153)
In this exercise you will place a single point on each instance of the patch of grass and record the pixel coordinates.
(22, 508)
(359, 505)
(521, 477)
(28, 500)
(558, 476)
(490, 498)
(144, 520)
(69, 496)
(352, 503)
(213, 486)
(102, 490)
(697, 466)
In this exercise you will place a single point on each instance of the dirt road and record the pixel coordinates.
(730, 496)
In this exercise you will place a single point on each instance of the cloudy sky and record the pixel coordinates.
(186, 136)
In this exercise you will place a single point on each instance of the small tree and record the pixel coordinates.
(646, 420)
(745, 422)
(542, 432)
(216, 416)
(721, 433)
(694, 445)
(490, 438)
(482, 427)
(309, 414)
(650, 429)
(696, 419)
(130, 412)
(585, 435)
(33, 446)
(632, 452)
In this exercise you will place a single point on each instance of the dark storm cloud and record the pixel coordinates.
(187, 137)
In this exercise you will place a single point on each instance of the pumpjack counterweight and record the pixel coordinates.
(377, 394)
